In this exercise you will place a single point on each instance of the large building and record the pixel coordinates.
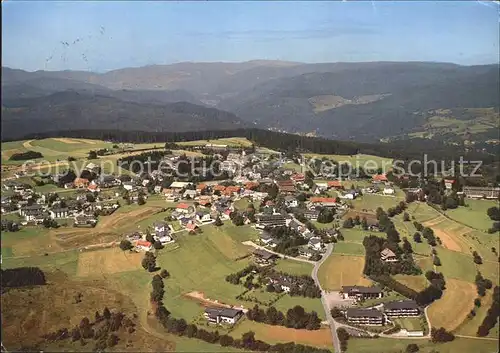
(223, 315)
(270, 220)
(365, 317)
(401, 308)
(360, 292)
(477, 192)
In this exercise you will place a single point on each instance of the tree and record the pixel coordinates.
(157, 245)
(218, 222)
(417, 237)
(126, 245)
(325, 216)
(106, 313)
(436, 261)
(406, 217)
(149, 262)
(112, 340)
(140, 200)
(477, 302)
(238, 219)
(92, 155)
(441, 335)
(364, 223)
(348, 223)
(407, 246)
(494, 213)
(411, 348)
(336, 313)
(477, 259)
(164, 274)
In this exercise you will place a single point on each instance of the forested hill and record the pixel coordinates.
(405, 150)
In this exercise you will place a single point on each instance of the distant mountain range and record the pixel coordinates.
(362, 101)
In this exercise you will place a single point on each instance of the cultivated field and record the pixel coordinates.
(342, 270)
(473, 214)
(280, 334)
(293, 267)
(452, 309)
(469, 326)
(347, 248)
(416, 283)
(107, 261)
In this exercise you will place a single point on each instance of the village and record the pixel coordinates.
(314, 220)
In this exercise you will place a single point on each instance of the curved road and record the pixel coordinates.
(314, 275)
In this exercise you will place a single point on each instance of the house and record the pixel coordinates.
(350, 195)
(270, 220)
(81, 183)
(107, 181)
(203, 217)
(266, 238)
(134, 237)
(128, 185)
(448, 183)
(189, 194)
(179, 185)
(157, 189)
(163, 237)
(62, 212)
(299, 227)
(232, 190)
(184, 208)
(200, 188)
(401, 308)
(205, 200)
(322, 186)
(478, 192)
(379, 178)
(364, 317)
(323, 201)
(298, 178)
(286, 186)
(30, 210)
(360, 292)
(387, 255)
(161, 227)
(223, 315)
(93, 187)
(335, 184)
(143, 245)
(315, 243)
(291, 201)
(192, 227)
(263, 256)
(311, 215)
(85, 221)
(9, 226)
(92, 167)
(388, 191)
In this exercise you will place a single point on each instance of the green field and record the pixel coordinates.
(474, 214)
(342, 247)
(457, 265)
(309, 304)
(409, 323)
(231, 142)
(371, 202)
(354, 235)
(64, 261)
(387, 345)
(293, 267)
(365, 161)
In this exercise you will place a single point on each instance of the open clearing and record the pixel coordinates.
(452, 308)
(342, 270)
(280, 334)
(110, 260)
(416, 283)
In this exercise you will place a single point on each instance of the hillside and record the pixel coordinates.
(73, 110)
(363, 101)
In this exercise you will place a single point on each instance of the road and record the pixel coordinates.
(251, 243)
(331, 321)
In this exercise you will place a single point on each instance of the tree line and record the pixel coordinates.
(23, 156)
(295, 317)
(23, 276)
(491, 316)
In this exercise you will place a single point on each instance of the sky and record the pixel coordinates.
(107, 35)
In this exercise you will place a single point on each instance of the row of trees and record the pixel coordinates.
(491, 316)
(343, 336)
(295, 317)
(441, 335)
(435, 289)
(23, 156)
(482, 284)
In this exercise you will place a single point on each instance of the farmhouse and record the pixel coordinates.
(364, 316)
(401, 308)
(335, 184)
(360, 292)
(315, 243)
(311, 214)
(387, 255)
(298, 178)
(189, 194)
(30, 210)
(143, 245)
(223, 315)
(475, 192)
(107, 181)
(323, 201)
(264, 257)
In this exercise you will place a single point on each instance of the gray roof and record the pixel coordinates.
(401, 304)
(361, 289)
(373, 313)
(266, 235)
(264, 254)
(226, 312)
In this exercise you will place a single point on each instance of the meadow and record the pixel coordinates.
(342, 270)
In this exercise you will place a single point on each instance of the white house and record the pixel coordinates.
(189, 193)
(129, 186)
(203, 217)
(179, 185)
(157, 189)
(161, 227)
(388, 191)
(315, 243)
(59, 213)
